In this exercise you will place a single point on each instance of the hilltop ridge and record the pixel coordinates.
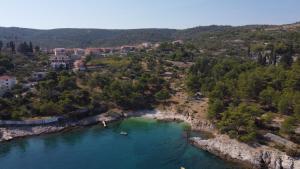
(76, 37)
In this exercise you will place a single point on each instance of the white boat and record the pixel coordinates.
(123, 133)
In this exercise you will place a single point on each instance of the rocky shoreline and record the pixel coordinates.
(258, 156)
(220, 145)
(10, 133)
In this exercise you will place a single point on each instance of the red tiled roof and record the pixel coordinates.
(5, 77)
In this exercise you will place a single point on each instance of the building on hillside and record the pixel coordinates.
(60, 62)
(178, 42)
(146, 45)
(6, 84)
(127, 49)
(46, 50)
(59, 51)
(296, 57)
(116, 50)
(107, 50)
(69, 51)
(79, 65)
(156, 45)
(94, 51)
(79, 52)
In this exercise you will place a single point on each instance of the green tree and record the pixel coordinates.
(288, 126)
(216, 107)
(1, 46)
(284, 105)
(162, 95)
(250, 84)
(268, 96)
(239, 122)
(37, 49)
(286, 60)
(6, 62)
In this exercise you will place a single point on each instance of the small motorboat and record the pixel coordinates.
(123, 133)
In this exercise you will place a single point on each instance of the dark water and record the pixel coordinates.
(149, 145)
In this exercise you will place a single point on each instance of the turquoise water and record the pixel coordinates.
(149, 145)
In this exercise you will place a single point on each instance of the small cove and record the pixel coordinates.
(149, 144)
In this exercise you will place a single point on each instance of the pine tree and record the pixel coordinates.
(37, 49)
(12, 46)
(287, 59)
(30, 47)
(1, 45)
(261, 59)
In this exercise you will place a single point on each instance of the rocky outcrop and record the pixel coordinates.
(10, 133)
(297, 131)
(258, 156)
(280, 140)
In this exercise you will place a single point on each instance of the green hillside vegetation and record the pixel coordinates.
(208, 37)
(85, 37)
(122, 83)
(243, 94)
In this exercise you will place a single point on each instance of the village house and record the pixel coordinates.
(145, 45)
(60, 59)
(79, 65)
(178, 42)
(94, 51)
(107, 50)
(6, 84)
(79, 52)
(156, 45)
(127, 49)
(59, 51)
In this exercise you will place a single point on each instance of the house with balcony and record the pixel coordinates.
(60, 62)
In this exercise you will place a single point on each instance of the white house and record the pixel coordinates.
(7, 83)
(59, 51)
(79, 52)
(60, 61)
(63, 58)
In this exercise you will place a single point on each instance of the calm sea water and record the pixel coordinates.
(149, 145)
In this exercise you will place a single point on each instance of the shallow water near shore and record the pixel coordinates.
(148, 145)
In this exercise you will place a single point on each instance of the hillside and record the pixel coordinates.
(85, 37)
(101, 37)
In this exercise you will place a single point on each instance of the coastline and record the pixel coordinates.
(220, 145)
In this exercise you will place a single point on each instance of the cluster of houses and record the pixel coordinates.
(75, 58)
(65, 58)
